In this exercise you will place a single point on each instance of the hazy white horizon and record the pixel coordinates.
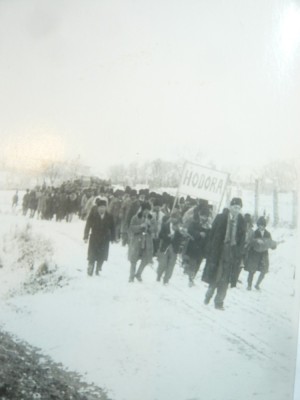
(124, 81)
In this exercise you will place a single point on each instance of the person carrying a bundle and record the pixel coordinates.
(258, 256)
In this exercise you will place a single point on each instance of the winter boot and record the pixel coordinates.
(219, 307)
(90, 269)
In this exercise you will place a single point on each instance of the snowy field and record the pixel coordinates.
(146, 341)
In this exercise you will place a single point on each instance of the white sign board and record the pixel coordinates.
(203, 183)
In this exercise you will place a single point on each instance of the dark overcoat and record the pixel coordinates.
(258, 255)
(166, 238)
(196, 246)
(215, 246)
(102, 233)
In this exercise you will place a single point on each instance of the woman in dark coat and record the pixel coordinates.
(258, 256)
(101, 224)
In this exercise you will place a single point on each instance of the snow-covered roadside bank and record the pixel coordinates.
(26, 374)
(146, 341)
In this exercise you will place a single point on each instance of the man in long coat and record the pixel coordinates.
(101, 225)
(224, 252)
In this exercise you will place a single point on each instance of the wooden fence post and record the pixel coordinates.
(256, 199)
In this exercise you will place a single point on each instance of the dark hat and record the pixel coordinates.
(203, 210)
(202, 202)
(261, 221)
(133, 192)
(236, 201)
(100, 203)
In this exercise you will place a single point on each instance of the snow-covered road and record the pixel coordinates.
(146, 341)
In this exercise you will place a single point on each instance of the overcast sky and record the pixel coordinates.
(117, 81)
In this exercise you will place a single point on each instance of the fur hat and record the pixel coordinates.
(100, 203)
(133, 192)
(203, 210)
(261, 221)
(236, 201)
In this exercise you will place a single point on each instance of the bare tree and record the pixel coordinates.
(117, 174)
(53, 172)
(75, 168)
(283, 175)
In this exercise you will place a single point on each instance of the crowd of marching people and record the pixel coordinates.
(154, 225)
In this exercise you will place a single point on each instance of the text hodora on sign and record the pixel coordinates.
(203, 181)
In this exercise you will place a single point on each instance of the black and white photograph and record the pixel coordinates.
(149, 199)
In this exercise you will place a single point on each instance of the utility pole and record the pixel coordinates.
(256, 199)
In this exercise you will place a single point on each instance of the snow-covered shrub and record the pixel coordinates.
(28, 255)
(23, 248)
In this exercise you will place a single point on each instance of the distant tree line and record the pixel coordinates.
(282, 175)
(156, 173)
